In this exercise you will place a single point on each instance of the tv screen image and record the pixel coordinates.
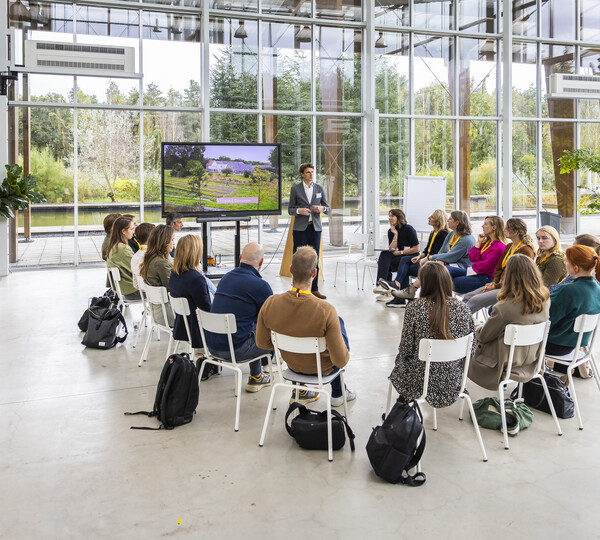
(204, 179)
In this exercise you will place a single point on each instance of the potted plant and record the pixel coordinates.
(589, 160)
(16, 191)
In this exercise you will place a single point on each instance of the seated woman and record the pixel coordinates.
(582, 240)
(454, 254)
(409, 266)
(186, 281)
(155, 269)
(484, 257)
(402, 242)
(435, 314)
(523, 299)
(580, 297)
(520, 242)
(119, 255)
(550, 260)
(108, 222)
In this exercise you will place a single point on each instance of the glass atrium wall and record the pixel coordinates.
(298, 73)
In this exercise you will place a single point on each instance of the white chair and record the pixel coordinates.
(354, 240)
(368, 263)
(225, 324)
(304, 345)
(181, 307)
(114, 278)
(579, 356)
(157, 296)
(525, 335)
(446, 350)
(145, 312)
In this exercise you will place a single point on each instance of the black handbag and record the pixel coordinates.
(108, 299)
(309, 428)
(103, 328)
(533, 395)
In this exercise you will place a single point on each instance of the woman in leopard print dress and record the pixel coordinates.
(434, 315)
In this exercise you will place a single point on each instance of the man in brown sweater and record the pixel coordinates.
(299, 313)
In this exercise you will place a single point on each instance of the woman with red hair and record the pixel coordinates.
(580, 297)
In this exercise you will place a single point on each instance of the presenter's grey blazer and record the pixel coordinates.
(298, 200)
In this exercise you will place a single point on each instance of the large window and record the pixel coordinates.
(301, 73)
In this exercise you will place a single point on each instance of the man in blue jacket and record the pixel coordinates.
(307, 202)
(243, 291)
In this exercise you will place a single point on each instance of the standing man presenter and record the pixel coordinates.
(307, 202)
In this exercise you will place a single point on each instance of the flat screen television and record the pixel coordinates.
(221, 180)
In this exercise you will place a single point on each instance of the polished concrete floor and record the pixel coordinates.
(72, 468)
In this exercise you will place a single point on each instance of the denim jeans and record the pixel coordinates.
(467, 284)
(244, 352)
(406, 269)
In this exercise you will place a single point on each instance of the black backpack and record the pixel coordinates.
(176, 394)
(108, 299)
(105, 324)
(397, 446)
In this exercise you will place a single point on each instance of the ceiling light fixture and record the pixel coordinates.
(156, 29)
(241, 33)
(304, 35)
(380, 42)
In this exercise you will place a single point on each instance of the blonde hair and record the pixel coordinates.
(522, 282)
(441, 219)
(555, 236)
(188, 254)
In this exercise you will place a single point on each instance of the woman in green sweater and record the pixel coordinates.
(550, 260)
(119, 255)
(155, 269)
(580, 297)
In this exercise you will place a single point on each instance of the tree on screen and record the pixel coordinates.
(199, 180)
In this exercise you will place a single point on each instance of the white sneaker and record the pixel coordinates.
(337, 401)
(384, 297)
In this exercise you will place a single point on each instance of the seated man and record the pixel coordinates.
(298, 313)
(175, 221)
(243, 291)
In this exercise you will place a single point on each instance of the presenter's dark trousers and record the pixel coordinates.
(312, 238)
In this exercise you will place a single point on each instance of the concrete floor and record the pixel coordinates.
(72, 468)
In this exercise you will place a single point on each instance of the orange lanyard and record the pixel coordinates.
(451, 244)
(510, 252)
(486, 246)
(431, 243)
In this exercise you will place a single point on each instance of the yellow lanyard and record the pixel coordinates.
(540, 262)
(451, 244)
(136, 241)
(300, 291)
(510, 252)
(431, 243)
(486, 246)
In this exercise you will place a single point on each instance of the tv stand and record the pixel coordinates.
(236, 245)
